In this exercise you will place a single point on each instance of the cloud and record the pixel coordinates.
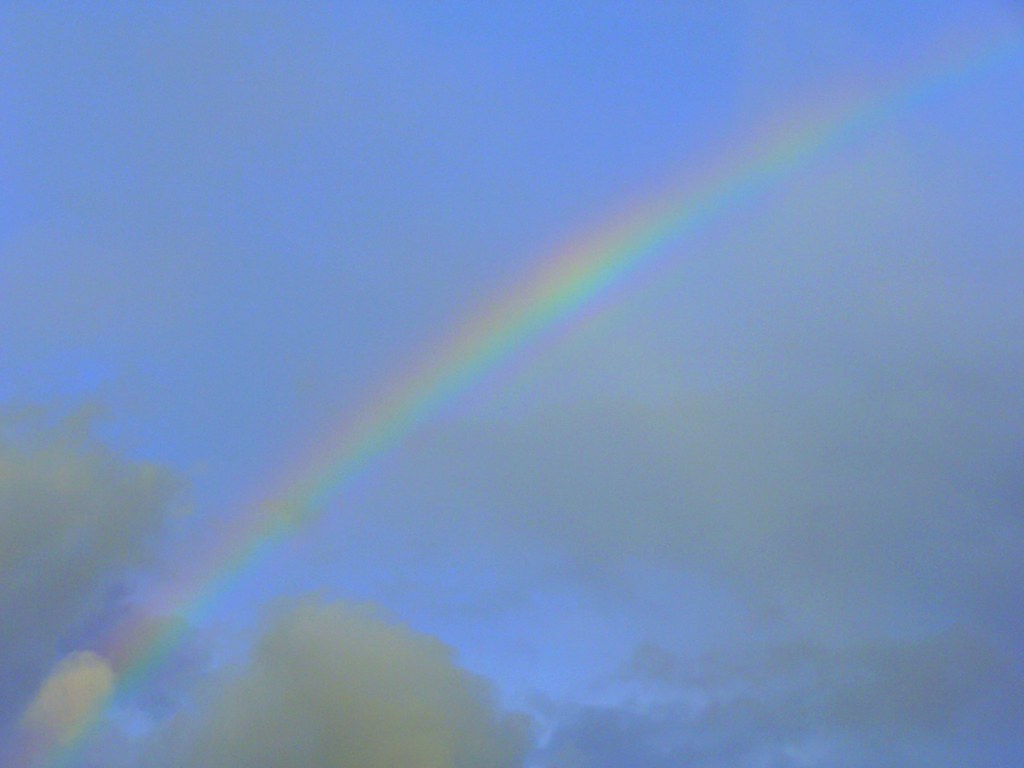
(945, 700)
(74, 518)
(337, 685)
(930, 685)
(815, 408)
(841, 509)
(72, 692)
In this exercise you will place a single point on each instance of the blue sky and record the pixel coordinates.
(765, 512)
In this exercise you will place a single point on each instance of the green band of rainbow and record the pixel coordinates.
(567, 282)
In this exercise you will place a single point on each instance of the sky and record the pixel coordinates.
(757, 503)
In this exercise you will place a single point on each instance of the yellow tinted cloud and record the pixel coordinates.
(68, 696)
(337, 686)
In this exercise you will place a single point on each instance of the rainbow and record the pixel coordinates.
(565, 286)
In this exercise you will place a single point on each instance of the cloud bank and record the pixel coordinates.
(817, 408)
